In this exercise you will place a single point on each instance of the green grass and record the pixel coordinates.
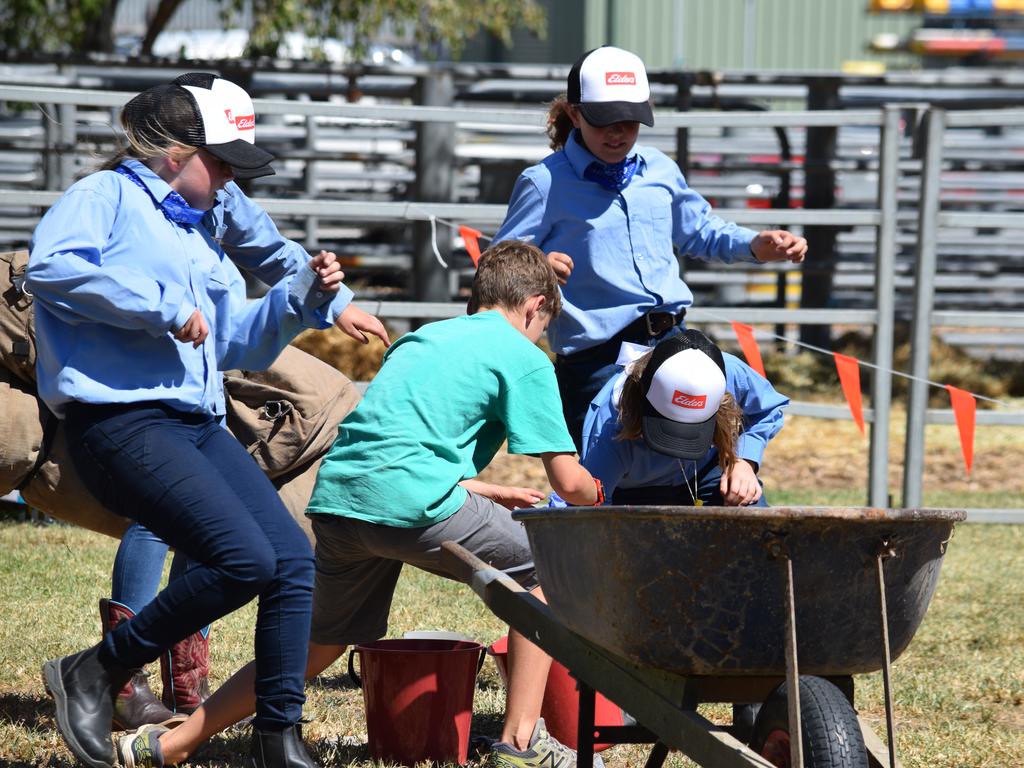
(959, 688)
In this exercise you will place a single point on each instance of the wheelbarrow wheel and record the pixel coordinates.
(831, 732)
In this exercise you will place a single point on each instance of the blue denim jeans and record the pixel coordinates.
(186, 479)
(139, 566)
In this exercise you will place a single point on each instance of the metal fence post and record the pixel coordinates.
(311, 178)
(435, 160)
(819, 192)
(885, 305)
(924, 295)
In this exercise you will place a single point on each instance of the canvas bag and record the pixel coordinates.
(17, 327)
(288, 415)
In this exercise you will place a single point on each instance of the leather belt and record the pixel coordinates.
(640, 331)
(650, 325)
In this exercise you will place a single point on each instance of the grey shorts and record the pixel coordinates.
(358, 563)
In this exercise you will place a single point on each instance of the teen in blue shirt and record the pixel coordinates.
(137, 311)
(611, 214)
(252, 241)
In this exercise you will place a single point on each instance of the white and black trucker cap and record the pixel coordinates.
(609, 85)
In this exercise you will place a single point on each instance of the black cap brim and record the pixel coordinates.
(674, 438)
(602, 113)
(247, 161)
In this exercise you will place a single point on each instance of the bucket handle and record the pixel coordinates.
(352, 669)
(359, 682)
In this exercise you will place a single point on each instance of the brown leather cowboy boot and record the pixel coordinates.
(136, 704)
(185, 671)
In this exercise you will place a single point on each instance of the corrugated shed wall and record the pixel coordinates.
(743, 34)
(695, 34)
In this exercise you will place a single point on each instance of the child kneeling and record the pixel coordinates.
(398, 482)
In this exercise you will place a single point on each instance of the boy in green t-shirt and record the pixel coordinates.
(399, 481)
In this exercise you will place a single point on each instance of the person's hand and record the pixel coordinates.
(194, 330)
(361, 325)
(778, 245)
(562, 264)
(739, 485)
(510, 496)
(328, 271)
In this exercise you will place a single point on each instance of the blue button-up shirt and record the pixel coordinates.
(250, 238)
(631, 464)
(111, 277)
(621, 243)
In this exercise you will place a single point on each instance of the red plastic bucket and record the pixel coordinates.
(561, 705)
(418, 696)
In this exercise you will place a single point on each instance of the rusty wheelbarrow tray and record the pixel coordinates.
(662, 608)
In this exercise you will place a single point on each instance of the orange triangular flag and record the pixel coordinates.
(745, 336)
(964, 407)
(849, 378)
(470, 235)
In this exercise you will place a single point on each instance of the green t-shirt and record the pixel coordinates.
(446, 398)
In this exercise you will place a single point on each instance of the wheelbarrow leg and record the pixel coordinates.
(585, 726)
(796, 740)
(657, 757)
(886, 550)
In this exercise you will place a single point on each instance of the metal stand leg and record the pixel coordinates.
(796, 741)
(585, 726)
(886, 551)
(657, 757)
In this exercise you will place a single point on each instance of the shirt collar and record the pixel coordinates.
(580, 157)
(156, 186)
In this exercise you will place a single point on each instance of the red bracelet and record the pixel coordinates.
(600, 492)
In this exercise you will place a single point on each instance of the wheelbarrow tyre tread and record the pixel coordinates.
(831, 732)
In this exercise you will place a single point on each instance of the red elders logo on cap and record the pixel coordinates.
(245, 122)
(683, 400)
(619, 78)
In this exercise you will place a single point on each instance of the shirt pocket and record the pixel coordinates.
(661, 229)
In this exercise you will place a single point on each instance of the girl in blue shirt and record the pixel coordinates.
(610, 214)
(137, 311)
(682, 424)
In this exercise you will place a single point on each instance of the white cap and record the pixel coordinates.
(610, 86)
(684, 383)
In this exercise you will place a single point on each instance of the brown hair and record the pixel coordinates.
(511, 272)
(728, 420)
(559, 123)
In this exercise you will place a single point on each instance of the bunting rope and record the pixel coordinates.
(821, 350)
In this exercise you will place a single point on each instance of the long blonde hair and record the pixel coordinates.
(148, 144)
(728, 420)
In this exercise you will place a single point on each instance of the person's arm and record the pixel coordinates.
(778, 245)
(65, 274)
(513, 497)
(250, 334)
(739, 485)
(762, 405)
(570, 480)
(250, 238)
(701, 234)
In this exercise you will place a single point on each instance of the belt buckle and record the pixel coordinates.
(651, 330)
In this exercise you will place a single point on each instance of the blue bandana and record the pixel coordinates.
(174, 207)
(612, 176)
